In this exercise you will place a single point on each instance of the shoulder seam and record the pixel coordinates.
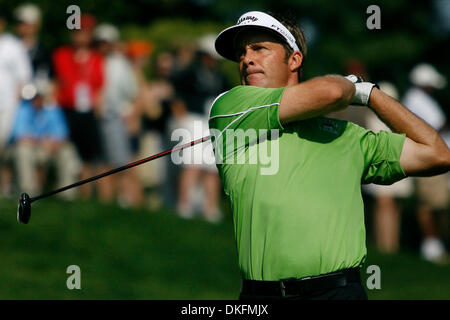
(241, 115)
(243, 112)
(212, 104)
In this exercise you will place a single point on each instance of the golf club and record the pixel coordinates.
(24, 207)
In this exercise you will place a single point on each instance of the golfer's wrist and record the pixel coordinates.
(363, 90)
(375, 91)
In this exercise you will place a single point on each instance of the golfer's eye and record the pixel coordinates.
(240, 54)
(257, 47)
(253, 48)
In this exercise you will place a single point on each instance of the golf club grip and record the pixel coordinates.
(127, 166)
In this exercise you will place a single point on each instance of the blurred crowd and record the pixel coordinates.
(78, 110)
(71, 112)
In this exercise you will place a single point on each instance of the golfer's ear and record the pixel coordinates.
(295, 60)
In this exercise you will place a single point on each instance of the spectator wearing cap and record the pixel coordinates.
(149, 122)
(39, 138)
(15, 72)
(79, 81)
(138, 52)
(28, 24)
(120, 91)
(432, 192)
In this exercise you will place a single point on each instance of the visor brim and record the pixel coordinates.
(224, 43)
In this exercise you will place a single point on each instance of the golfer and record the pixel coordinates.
(300, 232)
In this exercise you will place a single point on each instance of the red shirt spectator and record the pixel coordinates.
(79, 82)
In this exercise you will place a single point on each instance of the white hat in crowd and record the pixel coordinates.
(28, 13)
(206, 44)
(106, 32)
(389, 88)
(425, 75)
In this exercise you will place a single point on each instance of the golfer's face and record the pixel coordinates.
(262, 59)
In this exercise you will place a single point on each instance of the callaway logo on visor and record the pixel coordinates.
(247, 19)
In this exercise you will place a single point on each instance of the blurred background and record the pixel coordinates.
(75, 103)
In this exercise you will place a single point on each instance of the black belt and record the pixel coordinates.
(303, 286)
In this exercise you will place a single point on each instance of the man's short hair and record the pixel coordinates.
(288, 21)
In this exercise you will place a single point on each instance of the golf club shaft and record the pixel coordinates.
(127, 166)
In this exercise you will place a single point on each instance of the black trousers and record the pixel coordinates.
(352, 291)
(84, 133)
(340, 285)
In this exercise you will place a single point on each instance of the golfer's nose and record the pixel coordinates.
(248, 56)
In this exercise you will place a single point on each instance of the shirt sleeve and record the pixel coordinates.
(381, 152)
(247, 107)
(22, 64)
(242, 116)
(23, 124)
(57, 126)
(130, 86)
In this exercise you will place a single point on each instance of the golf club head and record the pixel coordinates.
(24, 209)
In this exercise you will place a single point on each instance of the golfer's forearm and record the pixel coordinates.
(400, 120)
(315, 97)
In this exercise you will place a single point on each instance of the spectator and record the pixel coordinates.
(197, 86)
(432, 192)
(184, 56)
(28, 17)
(198, 82)
(145, 113)
(79, 80)
(387, 211)
(15, 72)
(138, 51)
(156, 99)
(120, 90)
(40, 136)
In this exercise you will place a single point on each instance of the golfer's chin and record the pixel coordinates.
(257, 80)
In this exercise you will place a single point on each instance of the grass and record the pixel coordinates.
(131, 254)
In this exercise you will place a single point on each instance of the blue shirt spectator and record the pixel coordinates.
(33, 122)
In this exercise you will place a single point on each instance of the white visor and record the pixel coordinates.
(225, 40)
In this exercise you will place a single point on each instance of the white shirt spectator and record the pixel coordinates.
(120, 84)
(423, 105)
(15, 71)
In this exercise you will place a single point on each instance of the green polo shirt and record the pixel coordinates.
(301, 212)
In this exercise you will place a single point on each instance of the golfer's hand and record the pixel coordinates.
(363, 90)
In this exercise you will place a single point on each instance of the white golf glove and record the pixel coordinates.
(363, 90)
